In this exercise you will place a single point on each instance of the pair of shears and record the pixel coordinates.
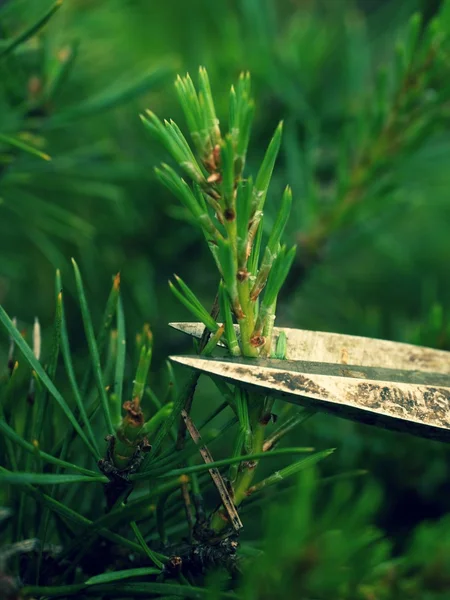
(389, 384)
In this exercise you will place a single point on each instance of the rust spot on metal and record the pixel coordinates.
(414, 400)
(353, 373)
(293, 382)
(432, 406)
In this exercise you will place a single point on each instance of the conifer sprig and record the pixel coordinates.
(228, 206)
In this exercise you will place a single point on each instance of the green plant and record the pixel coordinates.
(63, 430)
(312, 65)
(228, 205)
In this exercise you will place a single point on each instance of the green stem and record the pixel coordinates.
(247, 324)
(246, 476)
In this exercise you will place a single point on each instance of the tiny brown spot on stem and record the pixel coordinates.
(134, 416)
(250, 464)
(242, 275)
(229, 214)
(257, 341)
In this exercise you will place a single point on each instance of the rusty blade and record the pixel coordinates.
(414, 401)
(337, 348)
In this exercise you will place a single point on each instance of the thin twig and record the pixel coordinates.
(217, 478)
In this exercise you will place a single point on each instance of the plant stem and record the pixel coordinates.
(246, 475)
(247, 324)
(245, 478)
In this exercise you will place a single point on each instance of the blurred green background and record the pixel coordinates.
(313, 64)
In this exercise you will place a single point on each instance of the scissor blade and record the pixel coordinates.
(336, 348)
(195, 329)
(414, 401)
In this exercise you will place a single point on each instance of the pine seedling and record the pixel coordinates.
(228, 206)
(48, 450)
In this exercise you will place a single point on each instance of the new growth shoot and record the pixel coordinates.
(228, 206)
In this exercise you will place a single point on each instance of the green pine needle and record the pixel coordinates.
(31, 30)
(121, 575)
(93, 349)
(18, 478)
(187, 297)
(36, 365)
(67, 356)
(18, 143)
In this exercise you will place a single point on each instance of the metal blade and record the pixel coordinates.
(414, 401)
(336, 348)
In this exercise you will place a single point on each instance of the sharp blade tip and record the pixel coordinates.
(189, 361)
(178, 359)
(179, 326)
(190, 328)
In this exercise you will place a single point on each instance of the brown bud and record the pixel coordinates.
(175, 564)
(242, 275)
(250, 464)
(257, 341)
(229, 214)
(134, 416)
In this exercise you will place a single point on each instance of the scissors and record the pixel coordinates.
(388, 384)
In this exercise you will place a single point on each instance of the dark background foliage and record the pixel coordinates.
(383, 273)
